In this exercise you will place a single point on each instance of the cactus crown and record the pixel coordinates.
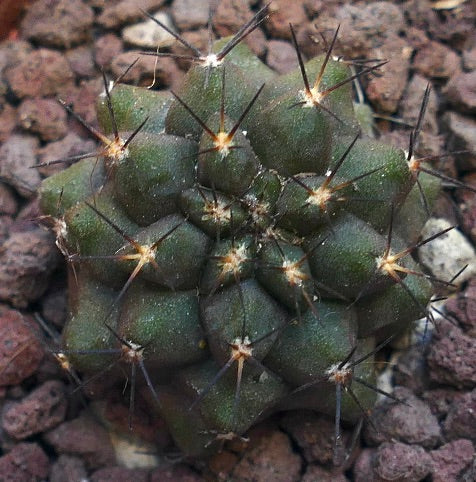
(242, 223)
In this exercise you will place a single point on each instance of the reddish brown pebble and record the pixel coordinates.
(316, 473)
(399, 462)
(68, 468)
(57, 23)
(462, 129)
(41, 410)
(222, 463)
(20, 351)
(107, 48)
(190, 14)
(83, 437)
(385, 90)
(119, 474)
(5, 223)
(269, 458)
(174, 473)
(81, 61)
(452, 357)
(467, 209)
(17, 154)
(26, 262)
(281, 15)
(412, 423)
(450, 460)
(313, 434)
(26, 462)
(411, 104)
(363, 468)
(230, 16)
(281, 56)
(71, 145)
(8, 120)
(44, 117)
(461, 91)
(118, 13)
(437, 61)
(462, 307)
(41, 73)
(461, 418)
(440, 400)
(8, 202)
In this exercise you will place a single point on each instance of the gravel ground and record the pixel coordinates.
(47, 432)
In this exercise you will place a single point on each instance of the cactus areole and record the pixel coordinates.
(240, 244)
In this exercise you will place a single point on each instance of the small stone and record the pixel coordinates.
(190, 14)
(106, 48)
(43, 409)
(363, 29)
(450, 460)
(462, 308)
(281, 56)
(317, 473)
(85, 438)
(44, 117)
(436, 60)
(17, 338)
(281, 15)
(17, 155)
(148, 34)
(57, 23)
(469, 59)
(8, 202)
(119, 474)
(174, 473)
(8, 120)
(461, 91)
(363, 467)
(68, 468)
(312, 433)
(462, 137)
(13, 52)
(452, 357)
(41, 73)
(411, 104)
(230, 16)
(71, 145)
(398, 462)
(440, 400)
(116, 14)
(222, 463)
(448, 253)
(26, 262)
(26, 462)
(270, 458)
(470, 474)
(412, 424)
(5, 224)
(467, 209)
(81, 61)
(386, 89)
(461, 418)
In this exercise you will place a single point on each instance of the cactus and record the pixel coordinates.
(241, 243)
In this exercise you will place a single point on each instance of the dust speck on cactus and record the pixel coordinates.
(241, 242)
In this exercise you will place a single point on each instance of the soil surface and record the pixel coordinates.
(48, 431)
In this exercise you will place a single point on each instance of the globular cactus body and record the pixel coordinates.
(240, 246)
